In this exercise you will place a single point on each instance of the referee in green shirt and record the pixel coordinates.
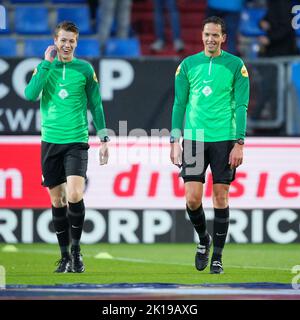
(68, 85)
(211, 99)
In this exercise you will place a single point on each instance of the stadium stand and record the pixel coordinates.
(8, 47)
(122, 47)
(37, 17)
(249, 25)
(69, 1)
(29, 21)
(79, 15)
(36, 47)
(88, 48)
(32, 20)
(192, 13)
(27, 1)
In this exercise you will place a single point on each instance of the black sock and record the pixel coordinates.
(197, 218)
(61, 227)
(221, 223)
(76, 219)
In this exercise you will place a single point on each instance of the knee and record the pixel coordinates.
(220, 200)
(75, 196)
(59, 201)
(193, 202)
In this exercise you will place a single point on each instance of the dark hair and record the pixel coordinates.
(215, 20)
(67, 26)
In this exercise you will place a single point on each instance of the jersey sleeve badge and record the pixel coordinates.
(95, 77)
(244, 71)
(178, 70)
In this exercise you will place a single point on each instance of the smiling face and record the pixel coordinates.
(66, 42)
(212, 38)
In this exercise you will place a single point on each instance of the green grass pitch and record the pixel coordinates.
(150, 263)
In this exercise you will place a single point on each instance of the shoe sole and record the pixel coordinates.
(207, 257)
(78, 271)
(203, 268)
(68, 269)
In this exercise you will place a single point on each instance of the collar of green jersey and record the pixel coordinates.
(216, 57)
(58, 62)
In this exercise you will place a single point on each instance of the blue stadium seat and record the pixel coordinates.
(5, 31)
(249, 25)
(8, 47)
(80, 16)
(31, 20)
(36, 47)
(88, 48)
(122, 47)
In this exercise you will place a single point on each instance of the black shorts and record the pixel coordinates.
(198, 155)
(62, 160)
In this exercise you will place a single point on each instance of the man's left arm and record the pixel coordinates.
(95, 103)
(96, 107)
(241, 96)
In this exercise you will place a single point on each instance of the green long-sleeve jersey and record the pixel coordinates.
(213, 95)
(67, 89)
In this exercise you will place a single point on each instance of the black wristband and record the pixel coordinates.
(240, 142)
(173, 139)
(105, 139)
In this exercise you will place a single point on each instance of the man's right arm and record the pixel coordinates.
(182, 88)
(181, 98)
(37, 82)
(39, 76)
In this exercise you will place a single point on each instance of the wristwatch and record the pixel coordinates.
(105, 139)
(240, 142)
(173, 139)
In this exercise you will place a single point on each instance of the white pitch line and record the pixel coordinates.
(51, 252)
(188, 264)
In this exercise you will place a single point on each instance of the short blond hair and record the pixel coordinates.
(67, 26)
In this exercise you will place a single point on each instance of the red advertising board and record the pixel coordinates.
(20, 176)
(139, 175)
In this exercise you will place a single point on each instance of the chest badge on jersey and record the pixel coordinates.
(207, 91)
(63, 94)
